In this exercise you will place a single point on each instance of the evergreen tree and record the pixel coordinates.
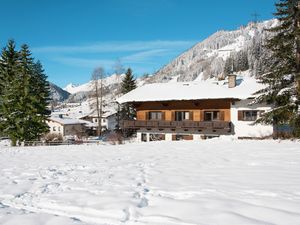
(283, 73)
(40, 92)
(228, 68)
(242, 61)
(25, 108)
(128, 83)
(24, 98)
(127, 111)
(9, 69)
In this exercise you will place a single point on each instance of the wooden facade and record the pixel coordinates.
(196, 109)
(202, 117)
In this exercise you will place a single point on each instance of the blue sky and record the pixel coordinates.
(72, 37)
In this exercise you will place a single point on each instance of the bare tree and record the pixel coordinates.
(97, 81)
(118, 67)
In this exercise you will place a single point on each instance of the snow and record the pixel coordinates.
(225, 51)
(67, 121)
(248, 128)
(214, 182)
(86, 87)
(78, 88)
(210, 89)
(70, 88)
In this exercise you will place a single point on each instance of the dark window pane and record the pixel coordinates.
(208, 116)
(250, 115)
(155, 115)
(216, 115)
(181, 115)
(212, 115)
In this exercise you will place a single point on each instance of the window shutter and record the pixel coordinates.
(240, 115)
(147, 115)
(201, 115)
(173, 116)
(163, 116)
(191, 116)
(222, 116)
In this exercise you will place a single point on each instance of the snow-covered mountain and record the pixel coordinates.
(57, 93)
(82, 94)
(208, 58)
(87, 87)
(240, 49)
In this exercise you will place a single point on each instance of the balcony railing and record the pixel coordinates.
(219, 127)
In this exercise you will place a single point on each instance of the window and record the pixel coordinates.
(54, 128)
(212, 115)
(178, 137)
(157, 137)
(155, 115)
(144, 137)
(247, 115)
(182, 115)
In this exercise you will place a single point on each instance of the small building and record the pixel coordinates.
(108, 120)
(196, 110)
(64, 126)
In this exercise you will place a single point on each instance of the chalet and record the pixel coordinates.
(196, 110)
(66, 126)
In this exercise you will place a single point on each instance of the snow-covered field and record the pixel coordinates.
(213, 182)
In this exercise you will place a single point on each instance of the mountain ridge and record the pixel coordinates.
(206, 59)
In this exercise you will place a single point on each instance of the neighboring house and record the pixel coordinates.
(108, 120)
(196, 110)
(66, 126)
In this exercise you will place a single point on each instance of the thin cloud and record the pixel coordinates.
(130, 46)
(84, 62)
(142, 57)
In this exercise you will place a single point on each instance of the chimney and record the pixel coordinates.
(231, 81)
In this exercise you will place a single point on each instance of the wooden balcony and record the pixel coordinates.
(194, 127)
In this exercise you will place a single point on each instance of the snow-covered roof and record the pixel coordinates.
(193, 91)
(94, 114)
(66, 121)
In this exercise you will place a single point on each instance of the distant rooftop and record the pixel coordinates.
(211, 89)
(66, 121)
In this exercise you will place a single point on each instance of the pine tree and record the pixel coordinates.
(128, 83)
(283, 73)
(228, 68)
(24, 98)
(25, 108)
(40, 92)
(9, 69)
(127, 111)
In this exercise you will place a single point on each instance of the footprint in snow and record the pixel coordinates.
(143, 203)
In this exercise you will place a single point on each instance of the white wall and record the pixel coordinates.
(109, 123)
(55, 128)
(245, 128)
(64, 130)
